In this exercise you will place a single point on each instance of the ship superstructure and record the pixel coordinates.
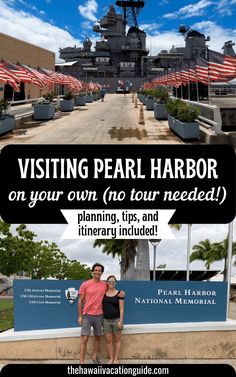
(120, 50)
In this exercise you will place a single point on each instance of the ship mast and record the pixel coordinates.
(131, 9)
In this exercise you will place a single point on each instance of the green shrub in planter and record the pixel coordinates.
(45, 109)
(162, 96)
(173, 106)
(187, 113)
(68, 96)
(67, 104)
(183, 123)
(95, 95)
(48, 98)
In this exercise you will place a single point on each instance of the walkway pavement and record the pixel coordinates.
(113, 122)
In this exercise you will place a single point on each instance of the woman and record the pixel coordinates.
(113, 316)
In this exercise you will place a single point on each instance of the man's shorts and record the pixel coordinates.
(110, 326)
(94, 321)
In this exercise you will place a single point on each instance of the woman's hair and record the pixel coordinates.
(111, 276)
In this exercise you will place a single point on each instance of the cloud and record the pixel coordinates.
(86, 25)
(173, 253)
(150, 27)
(191, 10)
(163, 41)
(88, 10)
(218, 34)
(223, 8)
(32, 29)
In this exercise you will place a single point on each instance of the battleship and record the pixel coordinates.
(121, 51)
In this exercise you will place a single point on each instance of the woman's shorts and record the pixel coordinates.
(110, 326)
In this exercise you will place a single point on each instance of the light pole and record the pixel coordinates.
(154, 243)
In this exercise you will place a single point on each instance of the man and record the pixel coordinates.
(91, 293)
(102, 94)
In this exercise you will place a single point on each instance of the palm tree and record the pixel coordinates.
(212, 252)
(202, 251)
(221, 251)
(142, 271)
(125, 250)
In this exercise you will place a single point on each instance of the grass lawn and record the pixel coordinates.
(6, 313)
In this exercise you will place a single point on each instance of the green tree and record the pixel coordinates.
(125, 250)
(212, 252)
(48, 261)
(38, 259)
(15, 250)
(220, 252)
(77, 271)
(202, 251)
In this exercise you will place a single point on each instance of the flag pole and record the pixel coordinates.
(196, 83)
(197, 90)
(208, 77)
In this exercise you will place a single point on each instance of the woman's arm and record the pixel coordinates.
(121, 296)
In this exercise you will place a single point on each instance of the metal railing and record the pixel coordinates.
(210, 114)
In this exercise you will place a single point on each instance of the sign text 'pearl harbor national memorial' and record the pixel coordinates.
(52, 304)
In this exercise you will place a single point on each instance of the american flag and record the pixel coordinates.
(192, 71)
(58, 78)
(38, 78)
(185, 74)
(202, 70)
(178, 76)
(18, 71)
(221, 66)
(7, 78)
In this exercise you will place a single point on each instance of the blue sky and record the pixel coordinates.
(53, 24)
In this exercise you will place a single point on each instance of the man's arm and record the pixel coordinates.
(80, 308)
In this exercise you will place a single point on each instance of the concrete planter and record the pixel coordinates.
(89, 98)
(80, 100)
(185, 130)
(44, 111)
(160, 111)
(67, 105)
(8, 123)
(150, 103)
(141, 97)
(171, 121)
(144, 100)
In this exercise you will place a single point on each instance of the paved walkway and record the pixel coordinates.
(113, 122)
